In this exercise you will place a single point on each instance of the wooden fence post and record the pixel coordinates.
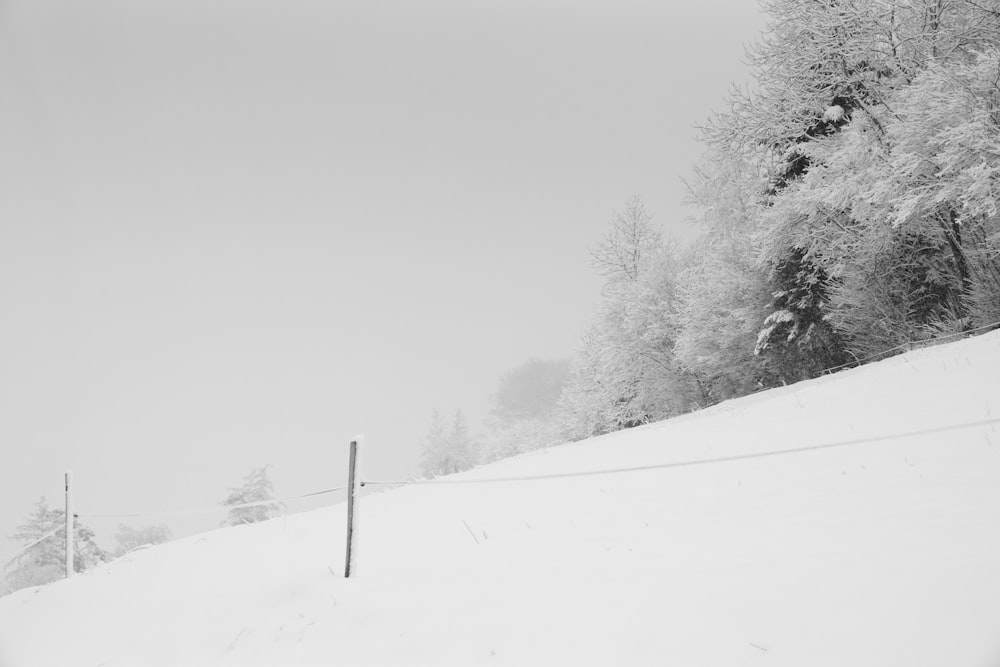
(353, 483)
(69, 528)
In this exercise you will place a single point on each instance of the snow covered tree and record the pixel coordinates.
(256, 488)
(129, 538)
(445, 451)
(46, 561)
(626, 373)
(433, 446)
(796, 338)
(724, 299)
(505, 439)
(855, 105)
(630, 244)
(902, 217)
(461, 446)
(722, 286)
(849, 203)
(941, 180)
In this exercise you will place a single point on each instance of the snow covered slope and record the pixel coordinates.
(881, 552)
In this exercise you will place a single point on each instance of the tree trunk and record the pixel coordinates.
(953, 235)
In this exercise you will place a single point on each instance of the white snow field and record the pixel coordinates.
(881, 553)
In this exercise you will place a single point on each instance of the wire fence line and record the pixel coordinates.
(531, 478)
(559, 475)
(906, 347)
(205, 510)
(697, 462)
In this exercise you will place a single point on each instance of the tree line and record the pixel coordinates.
(847, 203)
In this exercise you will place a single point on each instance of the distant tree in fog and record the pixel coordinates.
(530, 391)
(522, 416)
(129, 538)
(256, 488)
(445, 451)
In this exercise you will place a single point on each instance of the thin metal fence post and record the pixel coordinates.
(69, 528)
(353, 483)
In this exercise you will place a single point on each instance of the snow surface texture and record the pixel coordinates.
(879, 553)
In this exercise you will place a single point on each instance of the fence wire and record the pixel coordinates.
(205, 510)
(685, 464)
(573, 474)
(533, 478)
(905, 347)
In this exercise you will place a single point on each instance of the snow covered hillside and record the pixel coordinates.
(881, 552)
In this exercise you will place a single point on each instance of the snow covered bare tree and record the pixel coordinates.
(629, 245)
(626, 373)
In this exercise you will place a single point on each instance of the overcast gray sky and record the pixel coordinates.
(236, 232)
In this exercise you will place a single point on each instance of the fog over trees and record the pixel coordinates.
(523, 417)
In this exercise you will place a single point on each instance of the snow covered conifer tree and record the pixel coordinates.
(432, 447)
(460, 444)
(446, 451)
(256, 488)
(46, 561)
